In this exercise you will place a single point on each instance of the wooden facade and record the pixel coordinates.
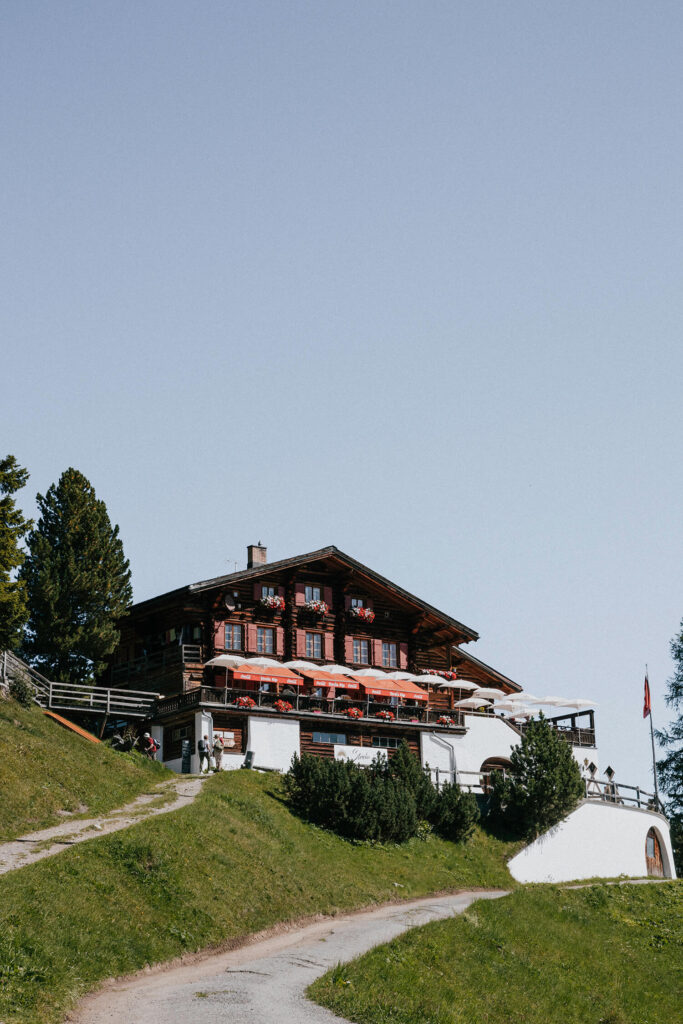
(166, 641)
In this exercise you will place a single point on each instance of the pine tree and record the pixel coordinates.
(670, 768)
(13, 526)
(78, 582)
(543, 782)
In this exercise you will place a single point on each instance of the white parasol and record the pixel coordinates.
(226, 661)
(489, 693)
(303, 666)
(337, 670)
(471, 702)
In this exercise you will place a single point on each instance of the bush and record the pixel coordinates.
(21, 689)
(357, 803)
(543, 783)
(455, 813)
(390, 801)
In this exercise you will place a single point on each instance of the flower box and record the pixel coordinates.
(387, 715)
(363, 614)
(354, 713)
(282, 706)
(316, 607)
(274, 603)
(445, 720)
(245, 702)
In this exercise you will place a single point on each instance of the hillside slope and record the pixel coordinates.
(608, 954)
(45, 768)
(234, 862)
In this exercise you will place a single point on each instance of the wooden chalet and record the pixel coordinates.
(301, 616)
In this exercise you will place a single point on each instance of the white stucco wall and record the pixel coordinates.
(597, 840)
(274, 742)
(486, 736)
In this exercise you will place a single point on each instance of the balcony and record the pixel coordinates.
(306, 704)
(150, 664)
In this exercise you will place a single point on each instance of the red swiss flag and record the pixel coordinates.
(647, 707)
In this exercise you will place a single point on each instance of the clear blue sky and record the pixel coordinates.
(401, 277)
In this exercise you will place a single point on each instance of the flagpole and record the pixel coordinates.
(654, 759)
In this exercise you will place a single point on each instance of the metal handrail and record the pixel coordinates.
(614, 792)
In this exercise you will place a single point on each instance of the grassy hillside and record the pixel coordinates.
(44, 768)
(236, 861)
(602, 955)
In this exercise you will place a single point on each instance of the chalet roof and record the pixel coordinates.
(460, 657)
(329, 554)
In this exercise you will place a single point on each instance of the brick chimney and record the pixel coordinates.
(257, 554)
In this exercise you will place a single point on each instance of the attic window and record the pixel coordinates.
(357, 602)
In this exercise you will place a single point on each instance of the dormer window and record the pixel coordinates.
(312, 594)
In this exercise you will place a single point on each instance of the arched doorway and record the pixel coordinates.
(491, 765)
(653, 855)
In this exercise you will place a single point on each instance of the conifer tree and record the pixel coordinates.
(13, 526)
(670, 768)
(78, 582)
(543, 783)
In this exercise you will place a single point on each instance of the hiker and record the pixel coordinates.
(218, 746)
(149, 746)
(204, 751)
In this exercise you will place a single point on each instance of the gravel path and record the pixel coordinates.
(50, 841)
(264, 982)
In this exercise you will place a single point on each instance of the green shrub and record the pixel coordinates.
(21, 690)
(455, 813)
(542, 785)
(407, 770)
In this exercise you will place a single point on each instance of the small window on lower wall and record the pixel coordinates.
(182, 733)
(329, 737)
(390, 742)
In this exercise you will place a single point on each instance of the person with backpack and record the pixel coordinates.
(149, 746)
(204, 751)
(218, 751)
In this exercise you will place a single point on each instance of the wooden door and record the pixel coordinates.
(653, 855)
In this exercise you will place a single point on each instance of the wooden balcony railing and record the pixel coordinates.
(174, 654)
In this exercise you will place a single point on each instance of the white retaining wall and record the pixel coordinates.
(597, 840)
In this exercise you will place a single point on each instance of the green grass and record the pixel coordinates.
(45, 768)
(234, 862)
(603, 955)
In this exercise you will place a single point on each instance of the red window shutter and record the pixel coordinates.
(299, 594)
(279, 640)
(280, 591)
(348, 650)
(368, 603)
(327, 596)
(257, 591)
(377, 652)
(403, 656)
(347, 603)
(300, 643)
(328, 649)
(219, 636)
(251, 638)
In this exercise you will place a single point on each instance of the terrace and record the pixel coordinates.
(254, 701)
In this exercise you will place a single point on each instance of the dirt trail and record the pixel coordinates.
(263, 982)
(49, 841)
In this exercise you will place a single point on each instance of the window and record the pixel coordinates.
(361, 651)
(356, 602)
(650, 846)
(389, 655)
(233, 637)
(267, 591)
(312, 594)
(389, 742)
(265, 640)
(182, 733)
(314, 645)
(329, 737)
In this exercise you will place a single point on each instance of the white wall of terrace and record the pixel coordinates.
(487, 736)
(598, 840)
